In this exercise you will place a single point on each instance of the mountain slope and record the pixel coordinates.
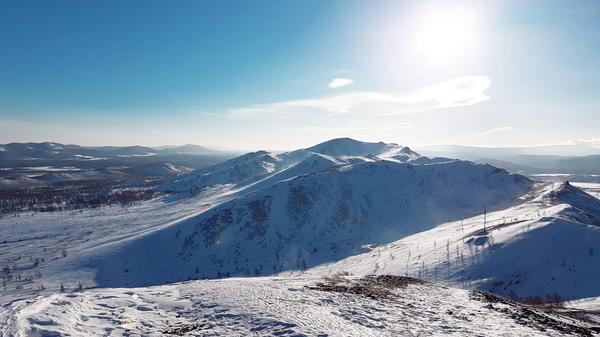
(353, 148)
(546, 247)
(240, 170)
(162, 169)
(305, 216)
(255, 166)
(308, 220)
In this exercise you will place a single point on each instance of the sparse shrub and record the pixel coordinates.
(336, 278)
(536, 300)
(532, 300)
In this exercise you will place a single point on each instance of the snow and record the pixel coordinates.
(540, 248)
(261, 165)
(586, 185)
(240, 170)
(19, 182)
(305, 221)
(85, 157)
(592, 303)
(592, 188)
(50, 168)
(149, 154)
(302, 215)
(56, 176)
(349, 147)
(162, 169)
(266, 307)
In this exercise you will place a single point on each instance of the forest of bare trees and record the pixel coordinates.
(70, 196)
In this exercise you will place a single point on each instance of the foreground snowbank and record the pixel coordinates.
(283, 307)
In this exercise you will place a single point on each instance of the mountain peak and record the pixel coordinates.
(351, 147)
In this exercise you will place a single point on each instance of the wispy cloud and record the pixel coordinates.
(460, 91)
(340, 82)
(496, 130)
(347, 129)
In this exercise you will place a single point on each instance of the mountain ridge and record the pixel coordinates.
(304, 198)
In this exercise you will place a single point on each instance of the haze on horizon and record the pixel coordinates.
(284, 75)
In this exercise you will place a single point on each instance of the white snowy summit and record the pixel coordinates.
(256, 166)
(347, 147)
(342, 238)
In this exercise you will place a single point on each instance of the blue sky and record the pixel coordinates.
(287, 74)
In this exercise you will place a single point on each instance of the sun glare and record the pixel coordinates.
(445, 34)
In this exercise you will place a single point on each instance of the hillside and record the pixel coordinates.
(545, 247)
(300, 217)
(161, 170)
(311, 216)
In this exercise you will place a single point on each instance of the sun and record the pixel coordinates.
(445, 34)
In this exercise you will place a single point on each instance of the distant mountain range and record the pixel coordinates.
(187, 148)
(577, 159)
(568, 159)
(48, 150)
(475, 152)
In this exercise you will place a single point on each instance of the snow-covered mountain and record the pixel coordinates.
(255, 166)
(545, 247)
(342, 206)
(347, 147)
(300, 209)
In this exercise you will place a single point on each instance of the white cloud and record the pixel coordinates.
(496, 130)
(340, 82)
(400, 125)
(590, 141)
(460, 91)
